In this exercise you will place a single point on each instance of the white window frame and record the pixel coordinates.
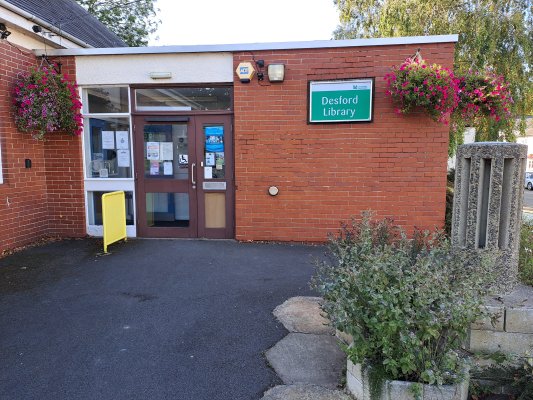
(107, 184)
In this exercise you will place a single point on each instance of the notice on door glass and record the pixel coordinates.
(152, 151)
(219, 160)
(210, 159)
(183, 159)
(167, 168)
(166, 153)
(154, 167)
(208, 173)
(214, 138)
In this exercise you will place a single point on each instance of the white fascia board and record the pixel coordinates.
(217, 48)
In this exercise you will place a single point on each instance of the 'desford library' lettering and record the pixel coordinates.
(340, 100)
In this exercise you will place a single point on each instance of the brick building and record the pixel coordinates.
(202, 153)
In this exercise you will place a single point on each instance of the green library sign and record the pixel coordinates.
(341, 101)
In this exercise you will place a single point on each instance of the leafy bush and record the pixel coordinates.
(525, 256)
(408, 303)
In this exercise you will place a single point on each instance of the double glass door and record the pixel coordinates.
(184, 176)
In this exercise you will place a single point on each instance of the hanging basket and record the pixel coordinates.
(483, 94)
(45, 101)
(417, 85)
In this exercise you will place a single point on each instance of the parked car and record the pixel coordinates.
(529, 181)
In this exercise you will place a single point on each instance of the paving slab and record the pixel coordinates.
(308, 358)
(303, 314)
(304, 392)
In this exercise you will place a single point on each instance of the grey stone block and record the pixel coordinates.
(519, 320)
(309, 359)
(304, 392)
(345, 337)
(303, 315)
(487, 208)
(486, 323)
(357, 385)
(506, 342)
(398, 390)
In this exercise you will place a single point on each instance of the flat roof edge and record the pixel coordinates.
(225, 48)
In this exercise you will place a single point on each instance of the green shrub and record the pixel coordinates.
(407, 302)
(525, 255)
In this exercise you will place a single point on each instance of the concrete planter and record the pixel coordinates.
(357, 385)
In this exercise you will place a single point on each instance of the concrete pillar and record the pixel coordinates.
(487, 206)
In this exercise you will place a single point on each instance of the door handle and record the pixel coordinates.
(193, 181)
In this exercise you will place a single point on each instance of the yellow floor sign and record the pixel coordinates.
(114, 216)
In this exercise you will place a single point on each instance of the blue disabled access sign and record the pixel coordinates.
(341, 101)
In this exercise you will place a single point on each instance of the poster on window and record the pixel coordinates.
(122, 140)
(108, 140)
(123, 158)
(166, 153)
(214, 139)
(152, 151)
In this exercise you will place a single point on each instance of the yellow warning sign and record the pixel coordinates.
(245, 71)
(114, 217)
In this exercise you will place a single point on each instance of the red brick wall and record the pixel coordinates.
(34, 202)
(64, 178)
(327, 173)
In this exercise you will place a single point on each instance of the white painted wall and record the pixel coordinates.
(135, 69)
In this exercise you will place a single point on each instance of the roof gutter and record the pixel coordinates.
(43, 23)
(219, 48)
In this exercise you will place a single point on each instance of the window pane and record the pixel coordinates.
(215, 166)
(183, 99)
(106, 100)
(166, 151)
(108, 147)
(167, 209)
(95, 207)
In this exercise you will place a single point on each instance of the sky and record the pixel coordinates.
(189, 22)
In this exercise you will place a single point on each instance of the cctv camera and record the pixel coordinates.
(36, 28)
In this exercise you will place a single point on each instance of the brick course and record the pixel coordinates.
(46, 200)
(328, 173)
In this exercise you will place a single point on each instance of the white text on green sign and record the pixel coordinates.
(340, 101)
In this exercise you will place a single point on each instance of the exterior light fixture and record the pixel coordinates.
(160, 75)
(276, 72)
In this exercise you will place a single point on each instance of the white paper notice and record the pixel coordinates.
(152, 151)
(123, 158)
(123, 140)
(166, 151)
(208, 172)
(167, 168)
(154, 167)
(108, 140)
(210, 159)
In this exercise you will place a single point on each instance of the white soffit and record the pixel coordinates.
(136, 68)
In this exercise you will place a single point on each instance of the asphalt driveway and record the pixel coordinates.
(156, 319)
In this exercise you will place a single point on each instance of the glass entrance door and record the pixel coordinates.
(184, 176)
(166, 194)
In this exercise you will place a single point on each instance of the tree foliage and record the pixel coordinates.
(131, 20)
(496, 34)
